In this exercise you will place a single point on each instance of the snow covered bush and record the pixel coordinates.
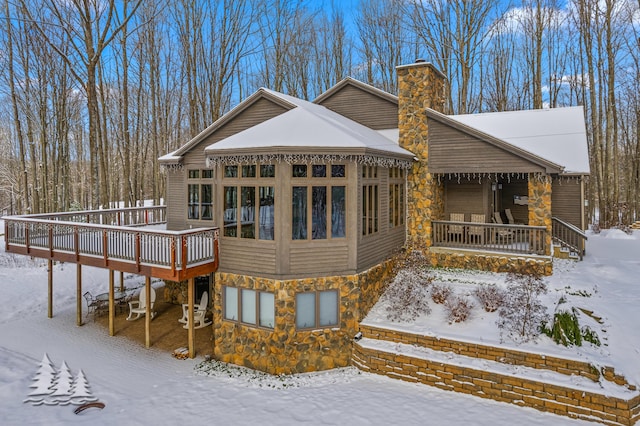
(458, 308)
(440, 293)
(407, 295)
(490, 296)
(523, 314)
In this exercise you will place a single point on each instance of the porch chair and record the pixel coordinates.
(510, 218)
(456, 232)
(199, 313)
(477, 231)
(139, 307)
(502, 235)
(94, 305)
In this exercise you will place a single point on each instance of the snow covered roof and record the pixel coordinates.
(557, 135)
(308, 126)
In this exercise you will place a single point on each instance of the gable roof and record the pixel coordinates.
(556, 136)
(262, 93)
(349, 81)
(305, 127)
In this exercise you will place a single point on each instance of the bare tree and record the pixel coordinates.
(385, 42)
(453, 33)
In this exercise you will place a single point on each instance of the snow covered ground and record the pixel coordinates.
(147, 386)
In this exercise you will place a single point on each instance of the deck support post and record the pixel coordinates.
(147, 317)
(50, 288)
(122, 281)
(190, 297)
(79, 294)
(111, 305)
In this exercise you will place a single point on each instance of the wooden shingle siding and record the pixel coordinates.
(365, 108)
(176, 201)
(451, 150)
(567, 202)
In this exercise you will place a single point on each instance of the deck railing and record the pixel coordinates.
(129, 216)
(568, 235)
(99, 241)
(522, 239)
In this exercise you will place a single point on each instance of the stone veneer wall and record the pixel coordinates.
(539, 188)
(284, 349)
(420, 86)
(446, 258)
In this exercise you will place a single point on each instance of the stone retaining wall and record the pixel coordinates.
(446, 258)
(498, 354)
(542, 396)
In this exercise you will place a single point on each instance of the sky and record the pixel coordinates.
(142, 386)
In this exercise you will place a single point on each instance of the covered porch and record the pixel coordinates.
(129, 240)
(502, 212)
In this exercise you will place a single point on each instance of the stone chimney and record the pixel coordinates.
(420, 86)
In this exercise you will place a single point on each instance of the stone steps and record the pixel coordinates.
(565, 387)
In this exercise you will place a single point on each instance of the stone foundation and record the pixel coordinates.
(286, 350)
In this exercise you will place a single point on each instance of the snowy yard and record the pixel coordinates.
(148, 386)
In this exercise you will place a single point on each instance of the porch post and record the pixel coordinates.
(539, 188)
(147, 317)
(79, 294)
(190, 291)
(50, 288)
(121, 281)
(111, 305)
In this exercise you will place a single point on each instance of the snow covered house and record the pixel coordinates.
(288, 212)
(314, 198)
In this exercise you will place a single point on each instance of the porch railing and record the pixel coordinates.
(568, 235)
(521, 239)
(157, 253)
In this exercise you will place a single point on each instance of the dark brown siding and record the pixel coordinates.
(567, 202)
(365, 108)
(451, 150)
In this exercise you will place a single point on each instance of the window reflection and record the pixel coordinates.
(299, 213)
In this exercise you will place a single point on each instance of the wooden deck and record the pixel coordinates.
(116, 239)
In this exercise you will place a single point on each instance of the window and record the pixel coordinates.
(200, 195)
(250, 307)
(249, 207)
(317, 309)
(370, 209)
(318, 207)
(396, 197)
